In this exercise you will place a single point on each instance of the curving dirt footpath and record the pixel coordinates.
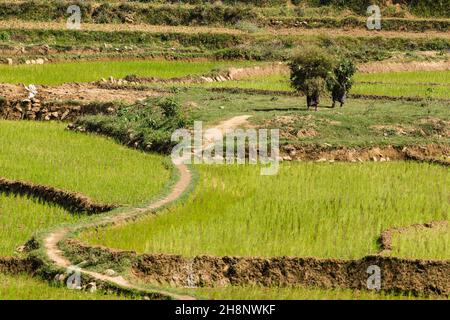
(52, 240)
(57, 257)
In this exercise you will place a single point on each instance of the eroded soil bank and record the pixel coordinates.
(399, 275)
(84, 92)
(72, 201)
(426, 153)
(15, 265)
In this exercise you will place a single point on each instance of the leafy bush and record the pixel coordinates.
(148, 125)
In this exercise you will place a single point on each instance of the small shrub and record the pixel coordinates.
(147, 125)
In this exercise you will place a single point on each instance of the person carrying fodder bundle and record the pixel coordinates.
(310, 69)
(340, 82)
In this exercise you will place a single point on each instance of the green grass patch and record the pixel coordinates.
(98, 167)
(423, 244)
(308, 209)
(433, 84)
(359, 123)
(293, 293)
(403, 90)
(20, 217)
(58, 73)
(24, 287)
(406, 77)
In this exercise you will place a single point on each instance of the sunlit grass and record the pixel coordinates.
(293, 293)
(268, 82)
(404, 77)
(98, 167)
(423, 243)
(308, 209)
(433, 84)
(57, 73)
(21, 217)
(24, 287)
(403, 90)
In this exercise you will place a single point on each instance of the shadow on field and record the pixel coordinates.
(289, 109)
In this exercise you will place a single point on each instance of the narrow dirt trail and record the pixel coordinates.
(220, 129)
(57, 256)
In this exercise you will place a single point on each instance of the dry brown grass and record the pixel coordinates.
(373, 67)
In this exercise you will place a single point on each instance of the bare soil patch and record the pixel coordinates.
(16, 265)
(85, 92)
(66, 102)
(426, 153)
(428, 127)
(374, 67)
(355, 32)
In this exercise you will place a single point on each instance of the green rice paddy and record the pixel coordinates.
(46, 153)
(308, 209)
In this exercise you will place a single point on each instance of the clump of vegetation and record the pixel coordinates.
(310, 70)
(146, 125)
(313, 71)
(340, 82)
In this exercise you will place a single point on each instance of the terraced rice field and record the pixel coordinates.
(267, 293)
(95, 166)
(370, 187)
(321, 210)
(58, 73)
(21, 217)
(426, 84)
(423, 244)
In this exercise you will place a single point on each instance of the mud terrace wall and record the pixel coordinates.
(34, 109)
(74, 202)
(398, 275)
(416, 276)
(225, 75)
(14, 265)
(423, 153)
